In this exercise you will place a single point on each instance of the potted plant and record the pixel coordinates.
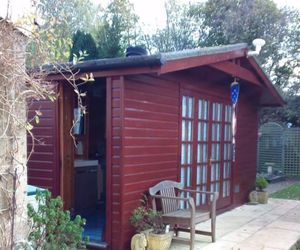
(262, 195)
(148, 221)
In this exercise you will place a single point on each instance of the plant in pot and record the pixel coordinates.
(149, 222)
(262, 195)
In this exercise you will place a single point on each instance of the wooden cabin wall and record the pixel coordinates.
(149, 141)
(43, 164)
(246, 149)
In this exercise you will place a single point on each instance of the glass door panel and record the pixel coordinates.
(187, 118)
(205, 163)
(202, 150)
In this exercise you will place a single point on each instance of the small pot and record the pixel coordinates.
(159, 241)
(262, 197)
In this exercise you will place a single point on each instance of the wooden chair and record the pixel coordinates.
(169, 193)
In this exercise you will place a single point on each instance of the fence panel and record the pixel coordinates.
(291, 152)
(270, 147)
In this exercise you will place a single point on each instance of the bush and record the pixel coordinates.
(261, 183)
(52, 227)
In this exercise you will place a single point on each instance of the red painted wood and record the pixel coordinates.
(43, 165)
(274, 98)
(186, 63)
(150, 140)
(107, 73)
(109, 153)
(237, 71)
(244, 170)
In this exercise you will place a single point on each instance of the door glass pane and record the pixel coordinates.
(190, 107)
(190, 132)
(183, 131)
(203, 110)
(183, 106)
(187, 140)
(182, 174)
(216, 109)
(188, 175)
(189, 153)
(183, 153)
(198, 179)
(204, 174)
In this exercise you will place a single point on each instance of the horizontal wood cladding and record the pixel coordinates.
(149, 139)
(43, 164)
(246, 146)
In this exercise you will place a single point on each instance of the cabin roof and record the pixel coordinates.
(147, 60)
(226, 59)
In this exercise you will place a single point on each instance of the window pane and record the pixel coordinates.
(204, 174)
(198, 202)
(198, 178)
(182, 174)
(203, 110)
(189, 153)
(188, 175)
(183, 153)
(183, 131)
(190, 132)
(190, 107)
(204, 153)
(212, 174)
(184, 106)
(217, 111)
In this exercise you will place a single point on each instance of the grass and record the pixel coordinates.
(292, 192)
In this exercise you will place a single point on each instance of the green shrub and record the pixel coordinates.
(52, 227)
(261, 183)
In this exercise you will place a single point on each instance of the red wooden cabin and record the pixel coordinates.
(151, 118)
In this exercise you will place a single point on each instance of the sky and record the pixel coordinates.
(151, 12)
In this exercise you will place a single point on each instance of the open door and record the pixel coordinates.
(83, 157)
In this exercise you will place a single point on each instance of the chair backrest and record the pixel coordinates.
(166, 188)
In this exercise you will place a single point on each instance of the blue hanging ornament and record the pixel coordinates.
(235, 90)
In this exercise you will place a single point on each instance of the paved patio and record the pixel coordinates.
(273, 226)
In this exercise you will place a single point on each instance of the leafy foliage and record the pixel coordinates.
(180, 29)
(261, 183)
(83, 42)
(233, 21)
(144, 218)
(52, 227)
(56, 22)
(117, 29)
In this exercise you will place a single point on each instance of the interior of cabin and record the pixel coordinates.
(87, 179)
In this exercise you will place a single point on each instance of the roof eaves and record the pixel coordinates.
(268, 83)
(106, 64)
(187, 53)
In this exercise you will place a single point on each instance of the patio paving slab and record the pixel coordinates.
(272, 226)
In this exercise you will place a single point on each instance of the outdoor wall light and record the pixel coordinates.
(258, 43)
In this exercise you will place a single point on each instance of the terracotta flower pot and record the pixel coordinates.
(159, 241)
